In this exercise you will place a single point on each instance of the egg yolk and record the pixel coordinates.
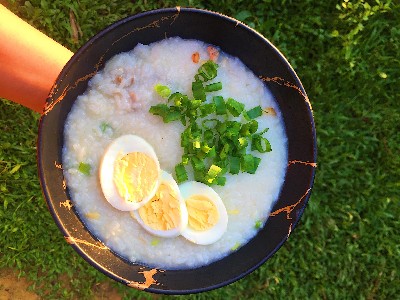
(135, 176)
(203, 214)
(162, 212)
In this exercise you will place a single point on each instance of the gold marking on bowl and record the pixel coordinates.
(49, 106)
(283, 82)
(288, 209)
(154, 24)
(73, 241)
(307, 163)
(67, 204)
(149, 280)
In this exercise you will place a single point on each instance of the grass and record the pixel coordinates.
(347, 245)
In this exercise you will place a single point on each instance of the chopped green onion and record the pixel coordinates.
(84, 168)
(159, 109)
(104, 126)
(258, 224)
(224, 152)
(168, 113)
(242, 142)
(213, 87)
(178, 101)
(207, 71)
(254, 113)
(198, 175)
(234, 107)
(250, 163)
(220, 181)
(172, 115)
(194, 104)
(220, 107)
(264, 131)
(213, 172)
(198, 164)
(208, 135)
(232, 129)
(234, 163)
(236, 246)
(205, 148)
(212, 152)
(176, 98)
(260, 143)
(180, 172)
(196, 144)
(162, 90)
(221, 128)
(198, 90)
(253, 126)
(207, 109)
(155, 242)
(185, 160)
(183, 120)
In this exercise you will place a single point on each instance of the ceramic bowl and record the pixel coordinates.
(259, 55)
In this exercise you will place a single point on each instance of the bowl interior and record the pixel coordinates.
(265, 61)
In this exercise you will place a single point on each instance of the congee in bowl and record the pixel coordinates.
(175, 154)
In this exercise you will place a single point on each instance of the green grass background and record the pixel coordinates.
(347, 245)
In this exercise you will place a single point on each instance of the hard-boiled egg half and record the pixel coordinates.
(207, 216)
(129, 172)
(165, 215)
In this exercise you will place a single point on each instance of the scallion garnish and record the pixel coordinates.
(234, 163)
(213, 87)
(155, 242)
(254, 113)
(180, 172)
(234, 107)
(84, 168)
(258, 224)
(104, 126)
(212, 173)
(168, 113)
(162, 90)
(220, 107)
(249, 163)
(207, 109)
(218, 134)
(260, 143)
(198, 90)
(236, 246)
(207, 71)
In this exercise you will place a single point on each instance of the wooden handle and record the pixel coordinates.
(30, 62)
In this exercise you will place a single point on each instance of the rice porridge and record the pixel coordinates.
(117, 103)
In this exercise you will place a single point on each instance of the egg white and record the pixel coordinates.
(121, 146)
(167, 179)
(213, 234)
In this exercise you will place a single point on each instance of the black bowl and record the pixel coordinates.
(265, 61)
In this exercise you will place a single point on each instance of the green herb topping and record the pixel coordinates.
(219, 133)
(84, 168)
(104, 126)
(162, 90)
(258, 224)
